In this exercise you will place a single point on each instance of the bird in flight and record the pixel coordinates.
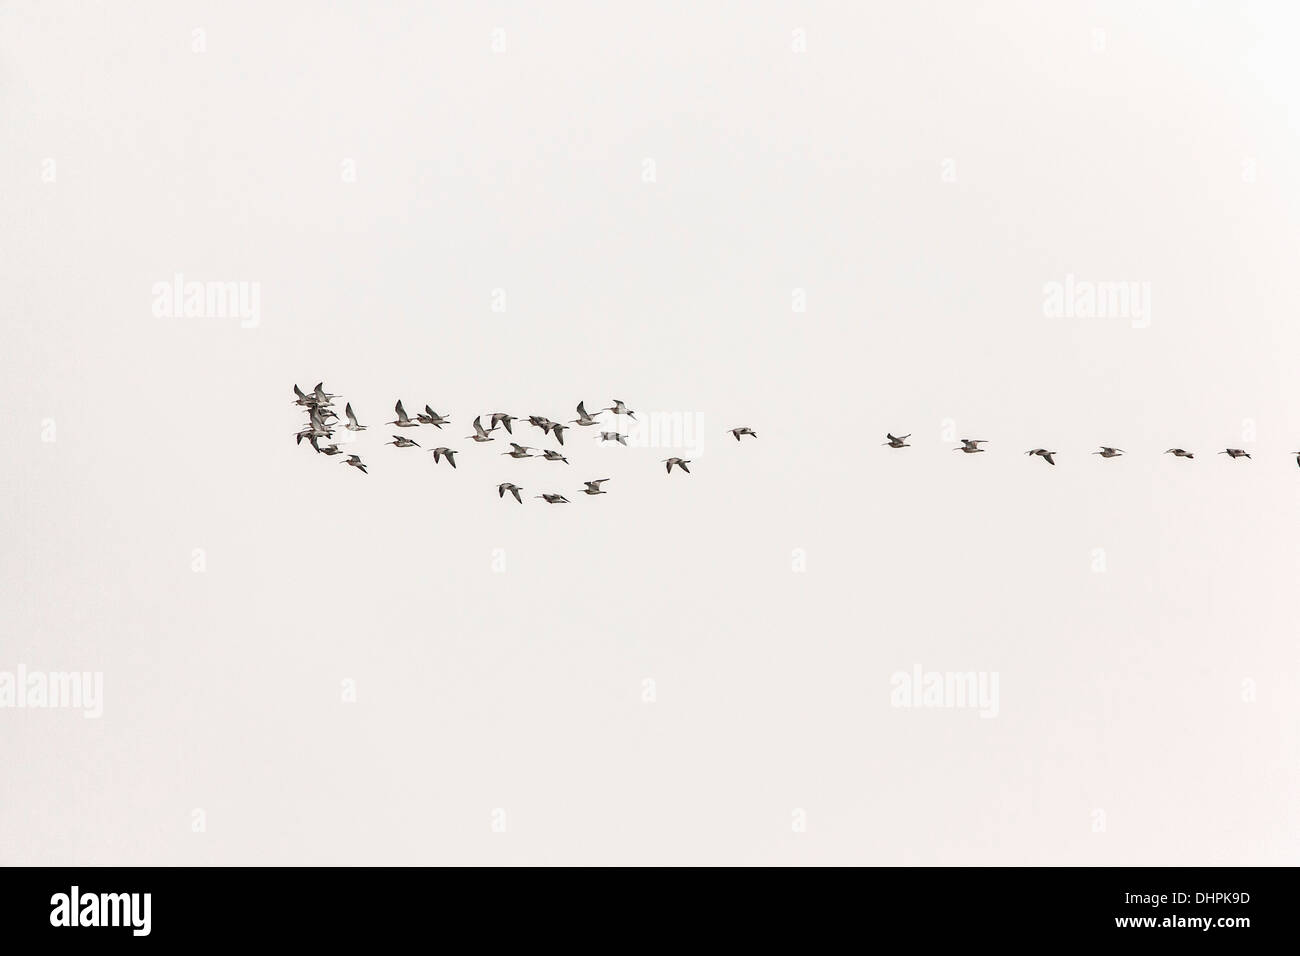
(1044, 453)
(501, 418)
(401, 442)
(618, 408)
(430, 417)
(480, 434)
(327, 450)
(316, 428)
(971, 445)
(553, 499)
(542, 422)
(353, 425)
(679, 463)
(439, 453)
(1108, 452)
(1179, 453)
(1235, 453)
(551, 454)
(520, 451)
(898, 442)
(403, 420)
(355, 462)
(593, 487)
(583, 418)
(558, 431)
(743, 430)
(613, 436)
(513, 489)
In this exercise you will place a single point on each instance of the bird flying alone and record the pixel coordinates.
(680, 463)
(1108, 452)
(355, 462)
(352, 425)
(480, 433)
(743, 430)
(553, 499)
(520, 451)
(1179, 453)
(583, 418)
(898, 441)
(513, 489)
(403, 420)
(593, 487)
(401, 442)
(552, 455)
(501, 418)
(1044, 454)
(971, 445)
(613, 436)
(440, 453)
(1235, 453)
(618, 408)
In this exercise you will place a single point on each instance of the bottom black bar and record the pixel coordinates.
(1230, 906)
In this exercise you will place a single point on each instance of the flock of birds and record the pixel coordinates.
(322, 421)
(971, 446)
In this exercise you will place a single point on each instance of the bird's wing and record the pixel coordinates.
(682, 465)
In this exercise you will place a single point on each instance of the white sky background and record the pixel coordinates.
(522, 170)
